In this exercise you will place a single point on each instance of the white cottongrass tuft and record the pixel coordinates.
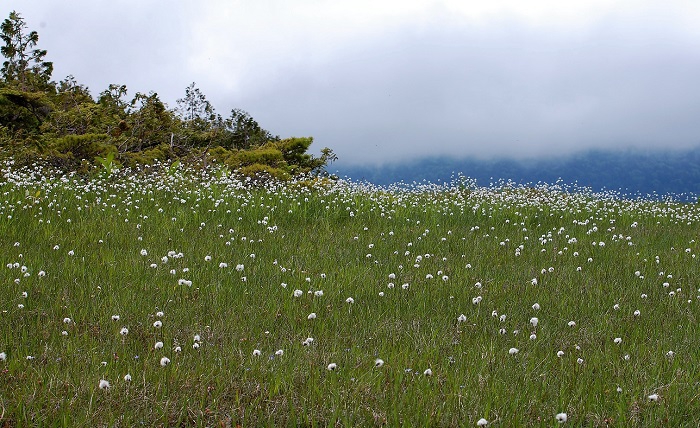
(127, 377)
(104, 384)
(3, 356)
(350, 300)
(560, 354)
(164, 361)
(572, 324)
(332, 366)
(378, 362)
(534, 321)
(482, 422)
(428, 372)
(653, 397)
(279, 352)
(513, 351)
(115, 317)
(311, 316)
(461, 318)
(617, 340)
(561, 417)
(158, 345)
(256, 352)
(158, 324)
(124, 331)
(536, 306)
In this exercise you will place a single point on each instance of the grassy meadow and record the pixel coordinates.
(190, 298)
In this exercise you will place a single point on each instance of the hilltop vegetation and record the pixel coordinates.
(60, 123)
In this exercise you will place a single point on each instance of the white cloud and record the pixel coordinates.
(380, 79)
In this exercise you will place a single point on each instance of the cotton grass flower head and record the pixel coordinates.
(127, 377)
(124, 331)
(534, 321)
(3, 356)
(482, 422)
(158, 324)
(104, 384)
(350, 300)
(461, 318)
(164, 361)
(378, 362)
(653, 397)
(617, 340)
(332, 366)
(561, 417)
(428, 372)
(256, 352)
(536, 306)
(279, 352)
(311, 316)
(298, 293)
(115, 317)
(513, 351)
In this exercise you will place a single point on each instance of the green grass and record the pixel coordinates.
(346, 240)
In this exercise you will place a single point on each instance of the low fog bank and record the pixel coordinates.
(648, 172)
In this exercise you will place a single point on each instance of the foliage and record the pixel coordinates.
(62, 124)
(25, 66)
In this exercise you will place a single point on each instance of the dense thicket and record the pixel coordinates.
(61, 123)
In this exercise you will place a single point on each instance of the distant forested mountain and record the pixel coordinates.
(632, 173)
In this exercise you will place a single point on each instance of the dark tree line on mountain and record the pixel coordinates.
(62, 124)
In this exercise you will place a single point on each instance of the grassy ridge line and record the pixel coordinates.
(346, 240)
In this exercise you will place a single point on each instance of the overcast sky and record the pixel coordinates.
(381, 81)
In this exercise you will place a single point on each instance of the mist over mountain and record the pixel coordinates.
(632, 173)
